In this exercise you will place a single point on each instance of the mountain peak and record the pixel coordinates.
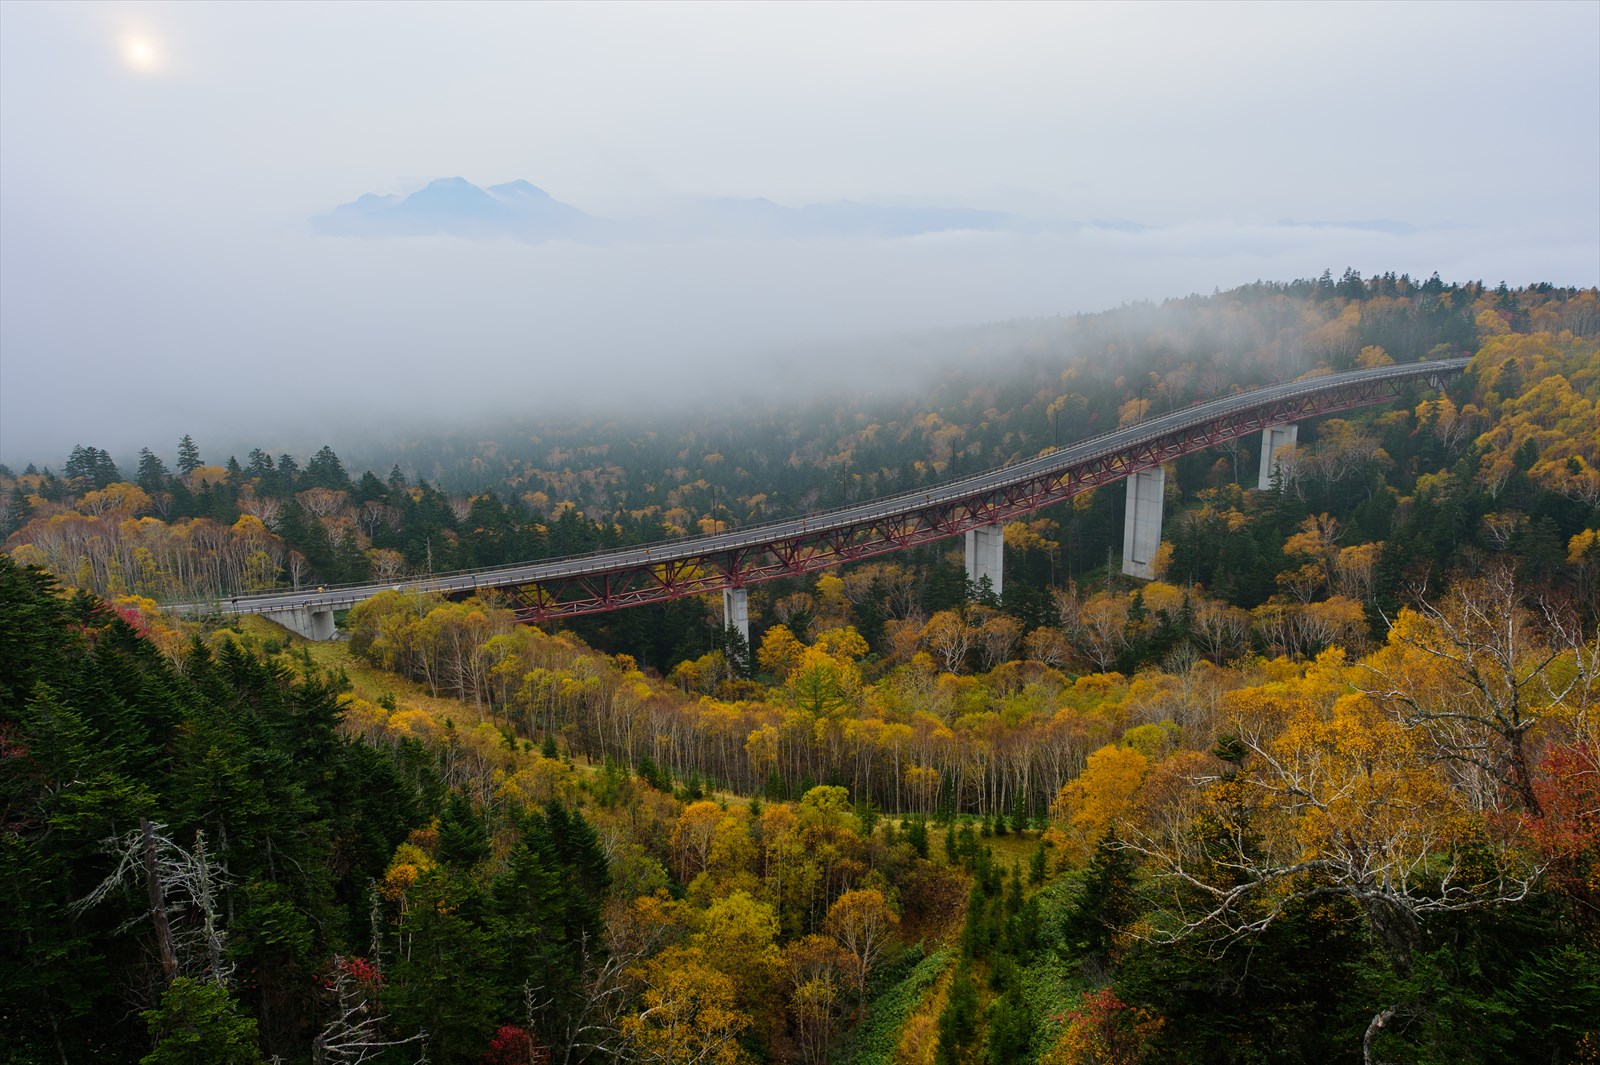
(457, 207)
(519, 188)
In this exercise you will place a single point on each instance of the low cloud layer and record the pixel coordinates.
(520, 210)
(306, 339)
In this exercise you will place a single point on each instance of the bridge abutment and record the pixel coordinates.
(1273, 439)
(986, 556)
(1141, 530)
(313, 621)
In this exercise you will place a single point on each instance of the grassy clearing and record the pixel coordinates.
(1011, 848)
(366, 682)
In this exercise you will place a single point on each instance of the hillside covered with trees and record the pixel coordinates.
(1328, 789)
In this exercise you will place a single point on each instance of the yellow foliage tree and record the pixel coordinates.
(692, 836)
(780, 651)
(688, 1013)
(863, 923)
(1102, 797)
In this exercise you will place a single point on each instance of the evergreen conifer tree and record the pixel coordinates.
(153, 473)
(188, 455)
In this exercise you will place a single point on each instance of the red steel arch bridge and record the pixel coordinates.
(977, 506)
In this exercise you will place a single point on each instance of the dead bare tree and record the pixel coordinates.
(182, 887)
(595, 1025)
(1480, 670)
(355, 1032)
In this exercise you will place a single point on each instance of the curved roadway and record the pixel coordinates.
(339, 597)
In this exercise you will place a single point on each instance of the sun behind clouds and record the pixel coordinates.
(142, 53)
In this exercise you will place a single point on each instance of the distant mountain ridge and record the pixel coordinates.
(457, 207)
(520, 210)
(524, 211)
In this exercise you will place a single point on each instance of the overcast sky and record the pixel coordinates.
(159, 165)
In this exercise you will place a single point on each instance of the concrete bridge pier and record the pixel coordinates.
(314, 621)
(1274, 438)
(736, 611)
(1141, 531)
(986, 556)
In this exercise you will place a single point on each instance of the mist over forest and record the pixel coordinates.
(310, 340)
(888, 374)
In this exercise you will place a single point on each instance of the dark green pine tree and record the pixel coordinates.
(1106, 905)
(288, 474)
(488, 536)
(571, 534)
(463, 837)
(947, 586)
(444, 983)
(369, 489)
(153, 473)
(20, 513)
(958, 1022)
(530, 916)
(586, 871)
(260, 465)
(90, 467)
(350, 564)
(198, 1023)
(105, 471)
(188, 455)
(315, 543)
(736, 649)
(917, 836)
(325, 471)
(1010, 1029)
(976, 932)
(1019, 811)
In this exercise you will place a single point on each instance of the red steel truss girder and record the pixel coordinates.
(636, 585)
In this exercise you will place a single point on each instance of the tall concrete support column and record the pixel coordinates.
(1141, 531)
(736, 611)
(986, 556)
(1274, 437)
